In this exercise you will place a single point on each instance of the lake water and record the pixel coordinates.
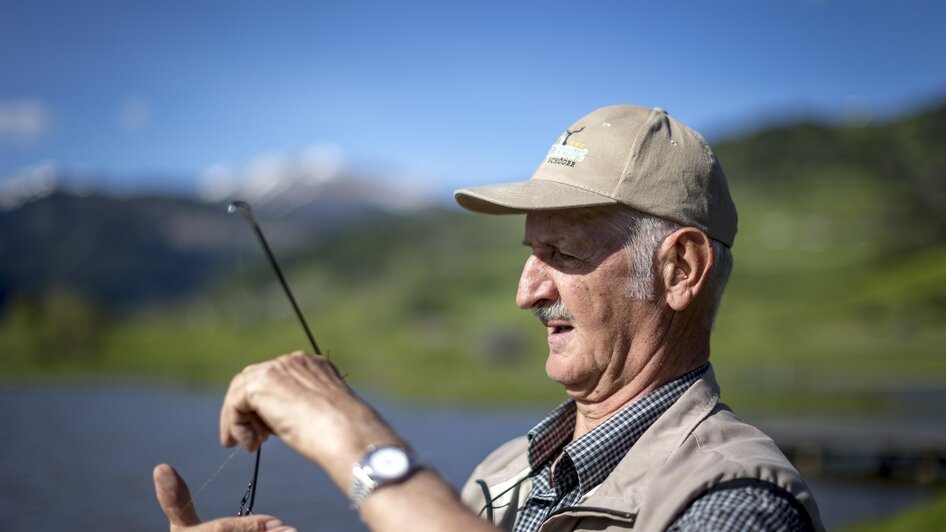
(80, 459)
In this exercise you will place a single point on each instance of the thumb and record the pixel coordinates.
(174, 497)
(175, 500)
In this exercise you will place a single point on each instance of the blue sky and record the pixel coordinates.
(439, 94)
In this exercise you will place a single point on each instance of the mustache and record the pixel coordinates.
(553, 311)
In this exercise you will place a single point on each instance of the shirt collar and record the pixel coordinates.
(596, 453)
(547, 438)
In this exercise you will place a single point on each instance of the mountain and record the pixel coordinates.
(126, 251)
(314, 184)
(838, 291)
(901, 162)
(803, 183)
(114, 251)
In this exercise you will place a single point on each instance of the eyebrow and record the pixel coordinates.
(550, 241)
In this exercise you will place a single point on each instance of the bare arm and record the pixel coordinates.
(303, 400)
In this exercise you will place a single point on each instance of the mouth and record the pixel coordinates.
(557, 320)
(559, 328)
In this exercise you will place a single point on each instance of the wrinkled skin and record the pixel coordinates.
(607, 350)
(300, 398)
(303, 400)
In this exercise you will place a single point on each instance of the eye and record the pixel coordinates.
(561, 256)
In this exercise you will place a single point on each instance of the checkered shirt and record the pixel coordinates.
(745, 508)
(587, 461)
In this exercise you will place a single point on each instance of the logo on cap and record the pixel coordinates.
(567, 151)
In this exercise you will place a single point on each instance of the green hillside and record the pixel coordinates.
(839, 291)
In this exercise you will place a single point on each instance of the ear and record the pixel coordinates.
(685, 259)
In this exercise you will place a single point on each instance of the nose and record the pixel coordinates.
(536, 286)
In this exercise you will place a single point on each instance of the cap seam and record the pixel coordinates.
(589, 189)
(634, 145)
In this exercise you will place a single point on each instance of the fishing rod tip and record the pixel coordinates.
(239, 206)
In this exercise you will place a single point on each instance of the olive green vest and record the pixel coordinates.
(697, 445)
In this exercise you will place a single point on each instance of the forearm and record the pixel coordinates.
(423, 502)
(303, 400)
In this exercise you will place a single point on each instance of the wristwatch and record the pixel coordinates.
(380, 466)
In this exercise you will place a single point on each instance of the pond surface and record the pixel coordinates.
(80, 459)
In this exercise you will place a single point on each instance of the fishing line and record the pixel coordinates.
(240, 239)
(246, 504)
(250, 494)
(211, 479)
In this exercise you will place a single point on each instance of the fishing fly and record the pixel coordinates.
(249, 497)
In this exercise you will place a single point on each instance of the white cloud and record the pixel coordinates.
(269, 174)
(28, 183)
(134, 113)
(321, 162)
(284, 181)
(24, 122)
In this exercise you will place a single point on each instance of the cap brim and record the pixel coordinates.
(526, 196)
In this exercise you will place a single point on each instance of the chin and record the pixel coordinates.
(559, 369)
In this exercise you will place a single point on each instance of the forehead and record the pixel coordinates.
(588, 225)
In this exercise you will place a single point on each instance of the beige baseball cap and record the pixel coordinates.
(623, 154)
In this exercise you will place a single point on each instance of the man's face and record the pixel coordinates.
(577, 260)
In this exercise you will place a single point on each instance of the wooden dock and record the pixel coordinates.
(889, 449)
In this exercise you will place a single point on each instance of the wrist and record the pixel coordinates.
(379, 467)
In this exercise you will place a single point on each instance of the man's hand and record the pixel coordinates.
(175, 500)
(302, 399)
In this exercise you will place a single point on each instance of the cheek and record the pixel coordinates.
(584, 303)
(608, 311)
(603, 303)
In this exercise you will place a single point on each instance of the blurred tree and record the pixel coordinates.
(63, 327)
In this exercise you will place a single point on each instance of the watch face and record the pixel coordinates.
(388, 462)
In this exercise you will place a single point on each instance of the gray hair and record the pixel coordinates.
(642, 235)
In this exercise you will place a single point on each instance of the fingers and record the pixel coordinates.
(244, 429)
(239, 423)
(302, 399)
(175, 500)
(251, 523)
(314, 372)
(174, 497)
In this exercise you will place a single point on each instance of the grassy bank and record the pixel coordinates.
(928, 517)
(425, 309)
(836, 303)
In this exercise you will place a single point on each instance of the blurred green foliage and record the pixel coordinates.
(926, 517)
(62, 329)
(839, 291)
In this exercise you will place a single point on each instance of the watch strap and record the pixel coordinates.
(363, 484)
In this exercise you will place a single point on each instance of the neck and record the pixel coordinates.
(662, 354)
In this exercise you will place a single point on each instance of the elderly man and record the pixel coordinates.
(629, 222)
